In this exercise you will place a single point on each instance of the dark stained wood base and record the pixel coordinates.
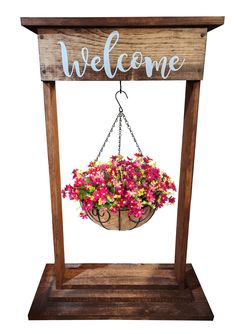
(120, 291)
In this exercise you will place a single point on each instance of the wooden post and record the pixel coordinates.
(49, 90)
(186, 175)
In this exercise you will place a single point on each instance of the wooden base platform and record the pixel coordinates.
(120, 291)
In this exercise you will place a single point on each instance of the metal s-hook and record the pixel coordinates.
(120, 92)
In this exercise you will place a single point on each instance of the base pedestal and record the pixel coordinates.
(120, 291)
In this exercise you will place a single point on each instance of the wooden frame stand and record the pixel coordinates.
(123, 291)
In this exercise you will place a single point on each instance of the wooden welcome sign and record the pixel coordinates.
(132, 48)
(122, 54)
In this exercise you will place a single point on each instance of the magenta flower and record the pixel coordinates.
(83, 215)
(150, 196)
(172, 200)
(74, 172)
(87, 204)
(129, 184)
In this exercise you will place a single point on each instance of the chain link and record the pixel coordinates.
(120, 132)
(132, 134)
(106, 140)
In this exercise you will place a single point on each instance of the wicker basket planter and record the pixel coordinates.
(120, 220)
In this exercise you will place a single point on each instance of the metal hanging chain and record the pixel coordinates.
(132, 134)
(120, 131)
(119, 117)
(106, 140)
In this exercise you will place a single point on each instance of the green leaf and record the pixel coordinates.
(106, 176)
(113, 190)
(82, 194)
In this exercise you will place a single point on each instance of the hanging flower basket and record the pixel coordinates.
(121, 194)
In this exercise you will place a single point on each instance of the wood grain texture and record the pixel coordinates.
(186, 176)
(55, 179)
(95, 302)
(187, 43)
(126, 295)
(209, 22)
(119, 276)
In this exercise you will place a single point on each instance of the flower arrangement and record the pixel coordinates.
(130, 184)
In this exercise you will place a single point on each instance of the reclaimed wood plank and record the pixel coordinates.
(118, 270)
(209, 22)
(45, 306)
(49, 90)
(186, 43)
(186, 177)
(124, 295)
(118, 276)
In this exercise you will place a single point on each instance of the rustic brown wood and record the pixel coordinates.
(186, 176)
(95, 302)
(55, 180)
(209, 22)
(123, 291)
(187, 43)
(119, 276)
(126, 295)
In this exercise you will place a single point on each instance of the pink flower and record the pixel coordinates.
(150, 177)
(150, 196)
(121, 183)
(103, 192)
(117, 184)
(102, 201)
(83, 215)
(147, 159)
(162, 187)
(172, 186)
(78, 182)
(119, 191)
(130, 185)
(96, 195)
(137, 164)
(171, 200)
(92, 164)
(87, 204)
(145, 184)
(123, 202)
(136, 213)
(153, 187)
(114, 209)
(74, 172)
(164, 198)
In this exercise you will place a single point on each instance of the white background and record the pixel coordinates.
(86, 111)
